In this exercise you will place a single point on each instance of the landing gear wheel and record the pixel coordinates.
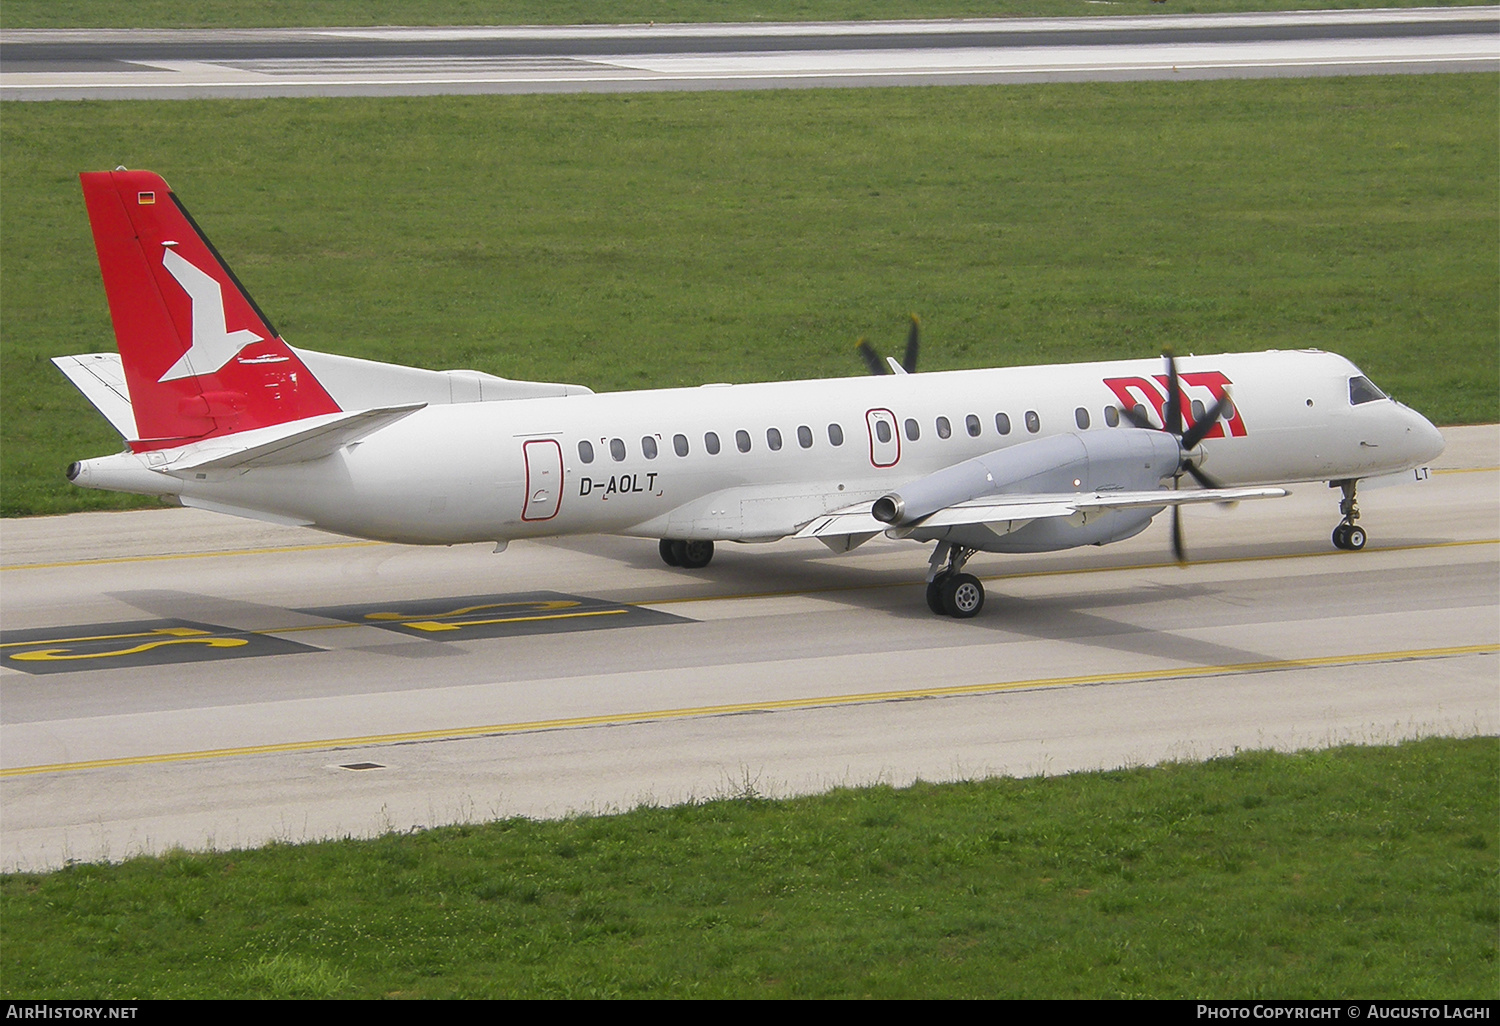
(669, 552)
(963, 596)
(693, 555)
(935, 593)
(1349, 537)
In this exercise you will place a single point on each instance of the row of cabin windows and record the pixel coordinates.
(774, 441)
(711, 444)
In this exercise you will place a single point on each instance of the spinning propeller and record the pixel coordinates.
(1187, 441)
(908, 362)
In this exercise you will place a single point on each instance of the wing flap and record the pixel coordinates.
(854, 519)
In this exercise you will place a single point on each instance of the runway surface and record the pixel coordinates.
(170, 677)
(161, 64)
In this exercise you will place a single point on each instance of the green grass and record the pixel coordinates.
(17, 14)
(1354, 871)
(667, 239)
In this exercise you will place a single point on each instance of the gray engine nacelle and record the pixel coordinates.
(1123, 460)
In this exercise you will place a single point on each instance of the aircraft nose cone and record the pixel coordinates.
(1423, 441)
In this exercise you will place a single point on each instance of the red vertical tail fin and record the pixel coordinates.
(200, 358)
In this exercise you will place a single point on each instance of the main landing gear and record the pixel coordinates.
(1347, 536)
(690, 555)
(949, 591)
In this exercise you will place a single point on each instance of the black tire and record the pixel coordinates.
(669, 552)
(693, 555)
(963, 596)
(1354, 538)
(935, 594)
(1341, 536)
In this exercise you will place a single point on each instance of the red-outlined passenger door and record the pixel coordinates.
(544, 478)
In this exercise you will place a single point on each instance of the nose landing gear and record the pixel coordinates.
(1347, 536)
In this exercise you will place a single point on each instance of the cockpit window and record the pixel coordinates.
(1362, 390)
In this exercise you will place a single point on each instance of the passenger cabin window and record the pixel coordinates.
(972, 423)
(1033, 422)
(1198, 410)
(742, 441)
(679, 444)
(711, 443)
(1082, 417)
(913, 432)
(945, 429)
(773, 438)
(804, 436)
(882, 431)
(617, 449)
(1363, 390)
(648, 447)
(1002, 423)
(835, 434)
(1112, 416)
(586, 451)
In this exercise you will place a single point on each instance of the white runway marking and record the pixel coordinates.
(138, 65)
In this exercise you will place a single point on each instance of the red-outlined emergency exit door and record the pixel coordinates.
(885, 443)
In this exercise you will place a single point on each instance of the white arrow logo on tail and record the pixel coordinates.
(214, 345)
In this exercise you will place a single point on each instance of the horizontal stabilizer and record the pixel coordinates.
(1008, 508)
(101, 379)
(296, 442)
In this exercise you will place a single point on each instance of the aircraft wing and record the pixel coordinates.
(1016, 509)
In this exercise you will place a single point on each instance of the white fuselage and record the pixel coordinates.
(513, 469)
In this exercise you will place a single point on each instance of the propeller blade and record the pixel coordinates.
(1201, 477)
(913, 342)
(1136, 417)
(871, 357)
(1172, 419)
(1178, 549)
(1205, 423)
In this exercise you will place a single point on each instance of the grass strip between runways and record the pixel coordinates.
(1358, 870)
(156, 14)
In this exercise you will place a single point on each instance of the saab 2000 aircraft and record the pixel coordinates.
(219, 413)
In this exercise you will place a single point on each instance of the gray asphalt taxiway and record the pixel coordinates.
(164, 64)
(173, 678)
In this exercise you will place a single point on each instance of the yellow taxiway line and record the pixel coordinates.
(819, 701)
(111, 560)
